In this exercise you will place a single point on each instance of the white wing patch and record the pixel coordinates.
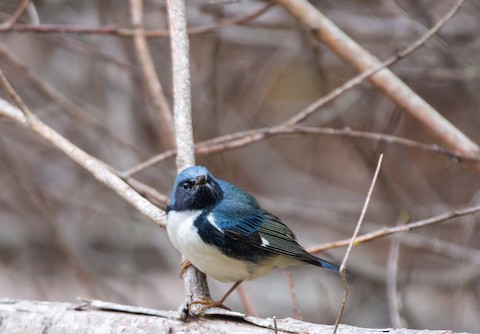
(212, 221)
(265, 242)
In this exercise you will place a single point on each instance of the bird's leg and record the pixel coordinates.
(185, 265)
(209, 303)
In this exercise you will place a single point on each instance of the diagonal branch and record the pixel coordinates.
(384, 80)
(102, 172)
(8, 24)
(243, 138)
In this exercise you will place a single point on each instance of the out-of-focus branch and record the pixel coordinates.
(391, 286)
(384, 80)
(195, 281)
(102, 172)
(397, 229)
(124, 32)
(8, 24)
(55, 96)
(162, 114)
(244, 138)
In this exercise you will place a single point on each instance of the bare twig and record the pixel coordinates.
(162, 115)
(102, 172)
(293, 294)
(195, 281)
(148, 192)
(384, 79)
(230, 21)
(358, 79)
(125, 32)
(445, 248)
(247, 304)
(7, 25)
(15, 98)
(343, 270)
(392, 271)
(397, 229)
(55, 96)
(244, 138)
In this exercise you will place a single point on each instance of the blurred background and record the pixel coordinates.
(64, 235)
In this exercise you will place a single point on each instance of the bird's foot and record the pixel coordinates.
(209, 303)
(185, 265)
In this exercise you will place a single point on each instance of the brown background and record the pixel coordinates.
(63, 235)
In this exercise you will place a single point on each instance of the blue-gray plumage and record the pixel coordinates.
(224, 232)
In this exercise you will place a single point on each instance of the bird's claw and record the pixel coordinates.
(185, 265)
(209, 303)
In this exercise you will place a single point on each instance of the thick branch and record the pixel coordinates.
(49, 317)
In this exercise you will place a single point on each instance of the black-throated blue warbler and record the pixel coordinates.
(223, 231)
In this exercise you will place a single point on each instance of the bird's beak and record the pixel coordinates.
(201, 180)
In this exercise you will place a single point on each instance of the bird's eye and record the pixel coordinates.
(186, 185)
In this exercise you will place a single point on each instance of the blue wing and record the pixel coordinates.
(247, 227)
(242, 220)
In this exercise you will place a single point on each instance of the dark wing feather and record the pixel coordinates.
(241, 219)
(245, 221)
(280, 239)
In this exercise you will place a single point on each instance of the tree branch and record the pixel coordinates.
(99, 170)
(21, 316)
(385, 80)
(195, 281)
(397, 229)
(163, 114)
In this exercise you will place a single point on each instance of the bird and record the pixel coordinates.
(223, 231)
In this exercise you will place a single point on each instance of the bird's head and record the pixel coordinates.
(194, 189)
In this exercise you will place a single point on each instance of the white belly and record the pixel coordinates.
(207, 258)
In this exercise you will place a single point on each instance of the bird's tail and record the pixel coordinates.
(327, 265)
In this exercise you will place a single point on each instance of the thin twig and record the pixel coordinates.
(293, 294)
(125, 32)
(55, 96)
(247, 304)
(244, 138)
(14, 96)
(230, 21)
(343, 269)
(397, 229)
(392, 271)
(8, 24)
